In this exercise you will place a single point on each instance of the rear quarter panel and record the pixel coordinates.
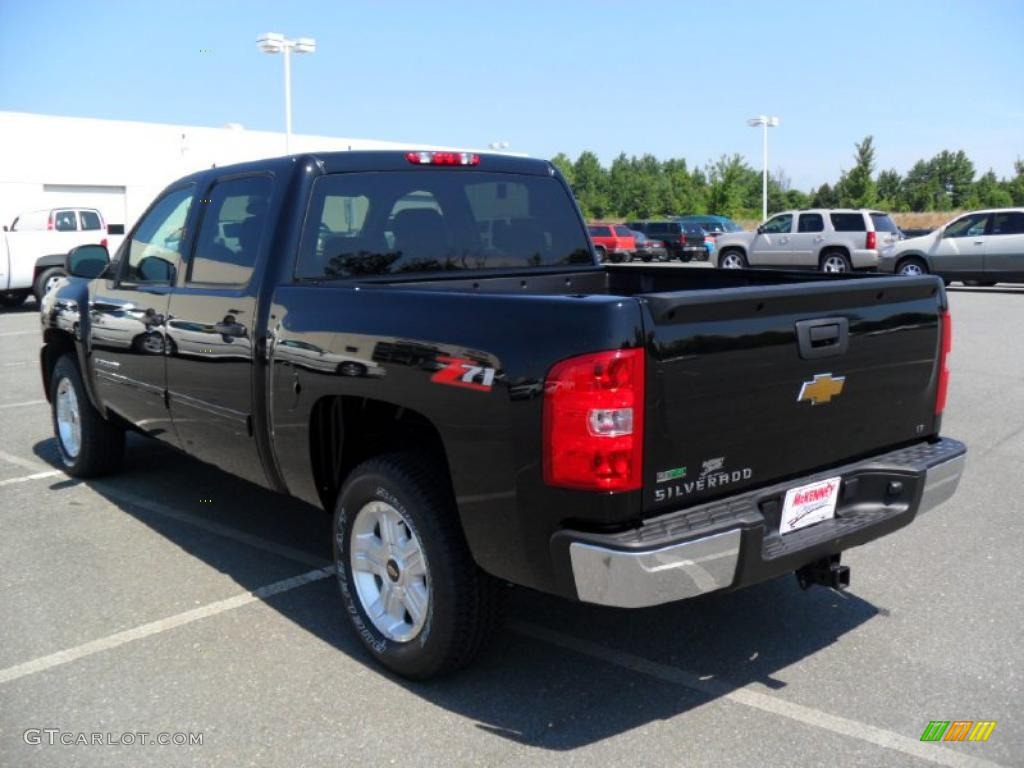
(491, 436)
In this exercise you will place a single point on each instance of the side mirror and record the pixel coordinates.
(5, 227)
(760, 230)
(87, 261)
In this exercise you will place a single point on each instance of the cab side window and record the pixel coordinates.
(811, 222)
(1008, 223)
(972, 225)
(155, 245)
(779, 225)
(233, 227)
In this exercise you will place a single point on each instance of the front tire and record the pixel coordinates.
(410, 587)
(912, 267)
(46, 280)
(731, 258)
(89, 445)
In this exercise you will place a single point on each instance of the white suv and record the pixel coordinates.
(830, 240)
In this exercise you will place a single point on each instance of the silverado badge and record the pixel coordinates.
(822, 389)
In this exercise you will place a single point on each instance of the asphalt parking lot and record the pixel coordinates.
(172, 598)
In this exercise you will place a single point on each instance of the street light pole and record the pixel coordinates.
(275, 42)
(765, 122)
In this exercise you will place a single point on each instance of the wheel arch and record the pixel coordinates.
(46, 262)
(913, 255)
(732, 247)
(834, 248)
(345, 431)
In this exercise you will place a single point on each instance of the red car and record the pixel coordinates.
(612, 241)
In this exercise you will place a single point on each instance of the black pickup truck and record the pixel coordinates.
(423, 344)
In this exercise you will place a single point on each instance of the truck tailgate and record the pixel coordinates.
(736, 398)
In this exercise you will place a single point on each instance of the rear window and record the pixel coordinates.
(1008, 223)
(600, 231)
(694, 229)
(883, 223)
(90, 220)
(432, 220)
(64, 221)
(848, 222)
(623, 232)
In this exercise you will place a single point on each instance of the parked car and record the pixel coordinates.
(32, 253)
(684, 242)
(648, 249)
(840, 240)
(713, 225)
(612, 242)
(983, 247)
(623, 437)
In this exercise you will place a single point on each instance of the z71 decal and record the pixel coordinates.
(459, 372)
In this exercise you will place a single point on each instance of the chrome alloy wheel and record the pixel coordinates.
(912, 269)
(51, 283)
(834, 264)
(389, 570)
(69, 419)
(732, 260)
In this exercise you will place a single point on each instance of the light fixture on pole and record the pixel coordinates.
(275, 42)
(765, 122)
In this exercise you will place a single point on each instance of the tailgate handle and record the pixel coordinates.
(827, 337)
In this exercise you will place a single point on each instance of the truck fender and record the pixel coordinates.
(45, 262)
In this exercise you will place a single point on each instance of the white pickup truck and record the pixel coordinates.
(32, 253)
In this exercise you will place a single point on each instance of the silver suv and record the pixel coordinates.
(831, 240)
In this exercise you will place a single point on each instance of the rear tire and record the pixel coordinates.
(89, 445)
(835, 262)
(912, 267)
(418, 601)
(12, 299)
(731, 258)
(46, 280)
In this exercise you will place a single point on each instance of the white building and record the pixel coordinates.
(119, 166)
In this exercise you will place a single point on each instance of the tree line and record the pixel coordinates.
(645, 187)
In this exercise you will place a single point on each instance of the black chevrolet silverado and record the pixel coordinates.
(423, 344)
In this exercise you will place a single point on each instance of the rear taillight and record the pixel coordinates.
(594, 422)
(103, 242)
(442, 158)
(872, 241)
(944, 350)
(49, 221)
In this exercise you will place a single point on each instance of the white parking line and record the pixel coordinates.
(207, 525)
(24, 463)
(18, 364)
(22, 404)
(843, 726)
(27, 478)
(161, 625)
(20, 333)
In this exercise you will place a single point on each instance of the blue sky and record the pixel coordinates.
(549, 76)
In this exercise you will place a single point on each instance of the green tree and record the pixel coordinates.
(889, 187)
(729, 185)
(856, 188)
(562, 162)
(825, 197)
(590, 184)
(954, 173)
(989, 192)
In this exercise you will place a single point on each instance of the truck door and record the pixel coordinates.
(210, 328)
(1004, 248)
(807, 240)
(959, 250)
(127, 315)
(772, 244)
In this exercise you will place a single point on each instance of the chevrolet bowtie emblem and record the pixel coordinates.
(822, 389)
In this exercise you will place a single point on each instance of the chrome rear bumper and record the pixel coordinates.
(628, 574)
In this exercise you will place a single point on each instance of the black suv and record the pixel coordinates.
(684, 241)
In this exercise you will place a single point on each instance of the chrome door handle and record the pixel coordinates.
(979, 242)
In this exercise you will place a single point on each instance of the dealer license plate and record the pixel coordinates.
(809, 504)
